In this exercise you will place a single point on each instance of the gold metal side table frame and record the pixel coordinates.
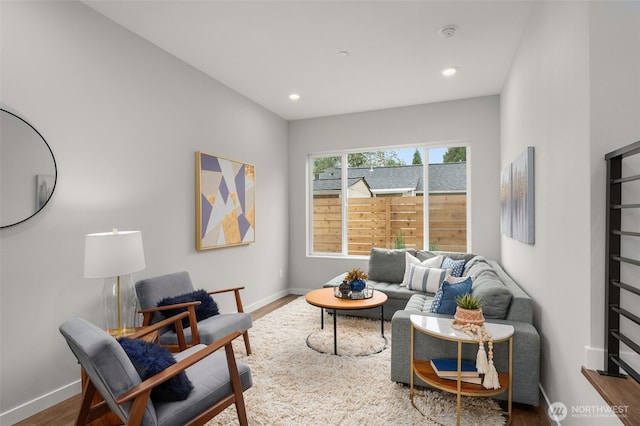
(440, 328)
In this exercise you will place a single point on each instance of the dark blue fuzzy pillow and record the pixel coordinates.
(149, 359)
(207, 307)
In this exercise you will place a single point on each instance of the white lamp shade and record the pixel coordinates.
(111, 254)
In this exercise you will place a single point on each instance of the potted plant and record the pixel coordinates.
(356, 279)
(468, 310)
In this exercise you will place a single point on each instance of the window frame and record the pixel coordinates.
(344, 173)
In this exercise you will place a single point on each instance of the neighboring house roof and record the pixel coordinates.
(445, 177)
(333, 184)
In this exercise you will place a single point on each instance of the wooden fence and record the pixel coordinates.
(378, 221)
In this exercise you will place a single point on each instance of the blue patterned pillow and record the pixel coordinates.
(444, 301)
(207, 307)
(149, 359)
(457, 266)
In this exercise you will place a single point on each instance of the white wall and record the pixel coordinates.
(615, 107)
(475, 121)
(562, 98)
(124, 120)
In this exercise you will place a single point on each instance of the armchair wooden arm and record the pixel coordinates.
(177, 322)
(236, 292)
(193, 322)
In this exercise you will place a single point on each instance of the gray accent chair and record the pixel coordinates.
(217, 379)
(151, 290)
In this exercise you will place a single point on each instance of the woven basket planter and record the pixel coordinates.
(469, 316)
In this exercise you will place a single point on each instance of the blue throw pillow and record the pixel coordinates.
(456, 266)
(207, 307)
(149, 359)
(444, 301)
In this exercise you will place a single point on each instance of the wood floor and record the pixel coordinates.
(64, 414)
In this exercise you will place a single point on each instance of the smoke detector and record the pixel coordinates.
(448, 31)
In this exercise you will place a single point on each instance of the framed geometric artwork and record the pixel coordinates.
(522, 195)
(225, 202)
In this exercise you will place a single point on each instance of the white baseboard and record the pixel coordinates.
(594, 358)
(39, 404)
(299, 291)
(546, 404)
(264, 302)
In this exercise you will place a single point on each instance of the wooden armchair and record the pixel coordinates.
(151, 290)
(217, 379)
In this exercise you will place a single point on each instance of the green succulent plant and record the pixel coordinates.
(467, 301)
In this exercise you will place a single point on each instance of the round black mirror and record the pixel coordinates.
(28, 170)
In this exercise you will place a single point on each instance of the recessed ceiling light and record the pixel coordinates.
(343, 53)
(449, 71)
(294, 96)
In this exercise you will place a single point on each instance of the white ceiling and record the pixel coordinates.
(266, 50)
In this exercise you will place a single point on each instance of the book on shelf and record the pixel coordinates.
(448, 368)
(468, 379)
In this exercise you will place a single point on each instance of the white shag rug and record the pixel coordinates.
(296, 385)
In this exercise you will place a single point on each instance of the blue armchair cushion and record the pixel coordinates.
(207, 307)
(149, 359)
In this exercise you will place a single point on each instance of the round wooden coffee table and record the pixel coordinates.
(324, 298)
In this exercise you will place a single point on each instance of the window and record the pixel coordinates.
(378, 200)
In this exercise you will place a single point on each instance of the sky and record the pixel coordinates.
(435, 155)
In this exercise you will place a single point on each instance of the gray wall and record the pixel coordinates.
(473, 121)
(124, 120)
(574, 94)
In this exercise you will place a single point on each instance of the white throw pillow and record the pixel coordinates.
(425, 279)
(455, 280)
(433, 262)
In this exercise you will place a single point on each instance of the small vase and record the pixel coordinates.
(469, 316)
(345, 288)
(358, 285)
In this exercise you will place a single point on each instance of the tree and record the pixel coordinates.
(417, 158)
(359, 159)
(320, 164)
(455, 155)
(374, 159)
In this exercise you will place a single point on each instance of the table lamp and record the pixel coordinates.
(114, 256)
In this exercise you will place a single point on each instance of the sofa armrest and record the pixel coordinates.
(526, 354)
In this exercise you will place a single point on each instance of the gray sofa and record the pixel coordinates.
(503, 302)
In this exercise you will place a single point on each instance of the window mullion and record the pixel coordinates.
(425, 201)
(344, 178)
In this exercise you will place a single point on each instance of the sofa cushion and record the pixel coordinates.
(426, 279)
(457, 266)
(494, 295)
(444, 301)
(433, 262)
(488, 287)
(424, 254)
(387, 265)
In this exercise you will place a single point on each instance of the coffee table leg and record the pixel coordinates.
(335, 336)
(321, 318)
(382, 320)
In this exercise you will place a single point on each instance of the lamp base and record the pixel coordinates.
(120, 305)
(121, 332)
